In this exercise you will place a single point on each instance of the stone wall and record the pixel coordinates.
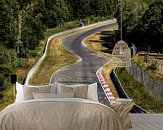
(154, 86)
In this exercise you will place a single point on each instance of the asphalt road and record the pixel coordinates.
(83, 71)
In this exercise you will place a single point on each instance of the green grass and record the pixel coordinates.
(8, 97)
(56, 58)
(139, 60)
(139, 93)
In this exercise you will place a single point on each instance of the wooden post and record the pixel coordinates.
(13, 80)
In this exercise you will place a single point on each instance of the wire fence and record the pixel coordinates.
(154, 86)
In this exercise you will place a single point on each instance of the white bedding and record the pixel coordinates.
(59, 114)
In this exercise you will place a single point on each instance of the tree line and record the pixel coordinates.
(37, 15)
(143, 23)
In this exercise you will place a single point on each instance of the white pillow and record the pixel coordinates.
(50, 95)
(19, 93)
(92, 92)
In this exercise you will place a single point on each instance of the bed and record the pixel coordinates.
(59, 107)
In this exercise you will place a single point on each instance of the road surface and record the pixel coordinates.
(83, 71)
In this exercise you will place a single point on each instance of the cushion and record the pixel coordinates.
(50, 95)
(80, 91)
(63, 89)
(25, 92)
(29, 90)
(92, 92)
(54, 88)
(19, 93)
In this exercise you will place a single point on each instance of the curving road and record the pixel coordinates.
(83, 71)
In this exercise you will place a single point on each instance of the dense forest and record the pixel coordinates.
(23, 22)
(143, 23)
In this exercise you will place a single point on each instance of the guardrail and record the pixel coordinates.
(122, 94)
(33, 69)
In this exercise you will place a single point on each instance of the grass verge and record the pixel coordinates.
(56, 58)
(96, 42)
(139, 59)
(7, 96)
(138, 93)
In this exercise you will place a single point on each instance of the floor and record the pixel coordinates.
(147, 121)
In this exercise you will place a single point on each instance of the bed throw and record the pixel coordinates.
(59, 114)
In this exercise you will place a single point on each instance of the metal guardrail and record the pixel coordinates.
(122, 94)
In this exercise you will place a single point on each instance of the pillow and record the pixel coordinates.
(49, 95)
(54, 88)
(80, 91)
(92, 92)
(27, 91)
(20, 91)
(64, 89)
(71, 85)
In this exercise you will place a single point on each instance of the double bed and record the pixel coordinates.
(62, 107)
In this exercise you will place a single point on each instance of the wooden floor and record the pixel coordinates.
(147, 121)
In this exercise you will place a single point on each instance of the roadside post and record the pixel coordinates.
(13, 80)
(81, 24)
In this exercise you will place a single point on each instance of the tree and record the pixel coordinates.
(32, 32)
(149, 29)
